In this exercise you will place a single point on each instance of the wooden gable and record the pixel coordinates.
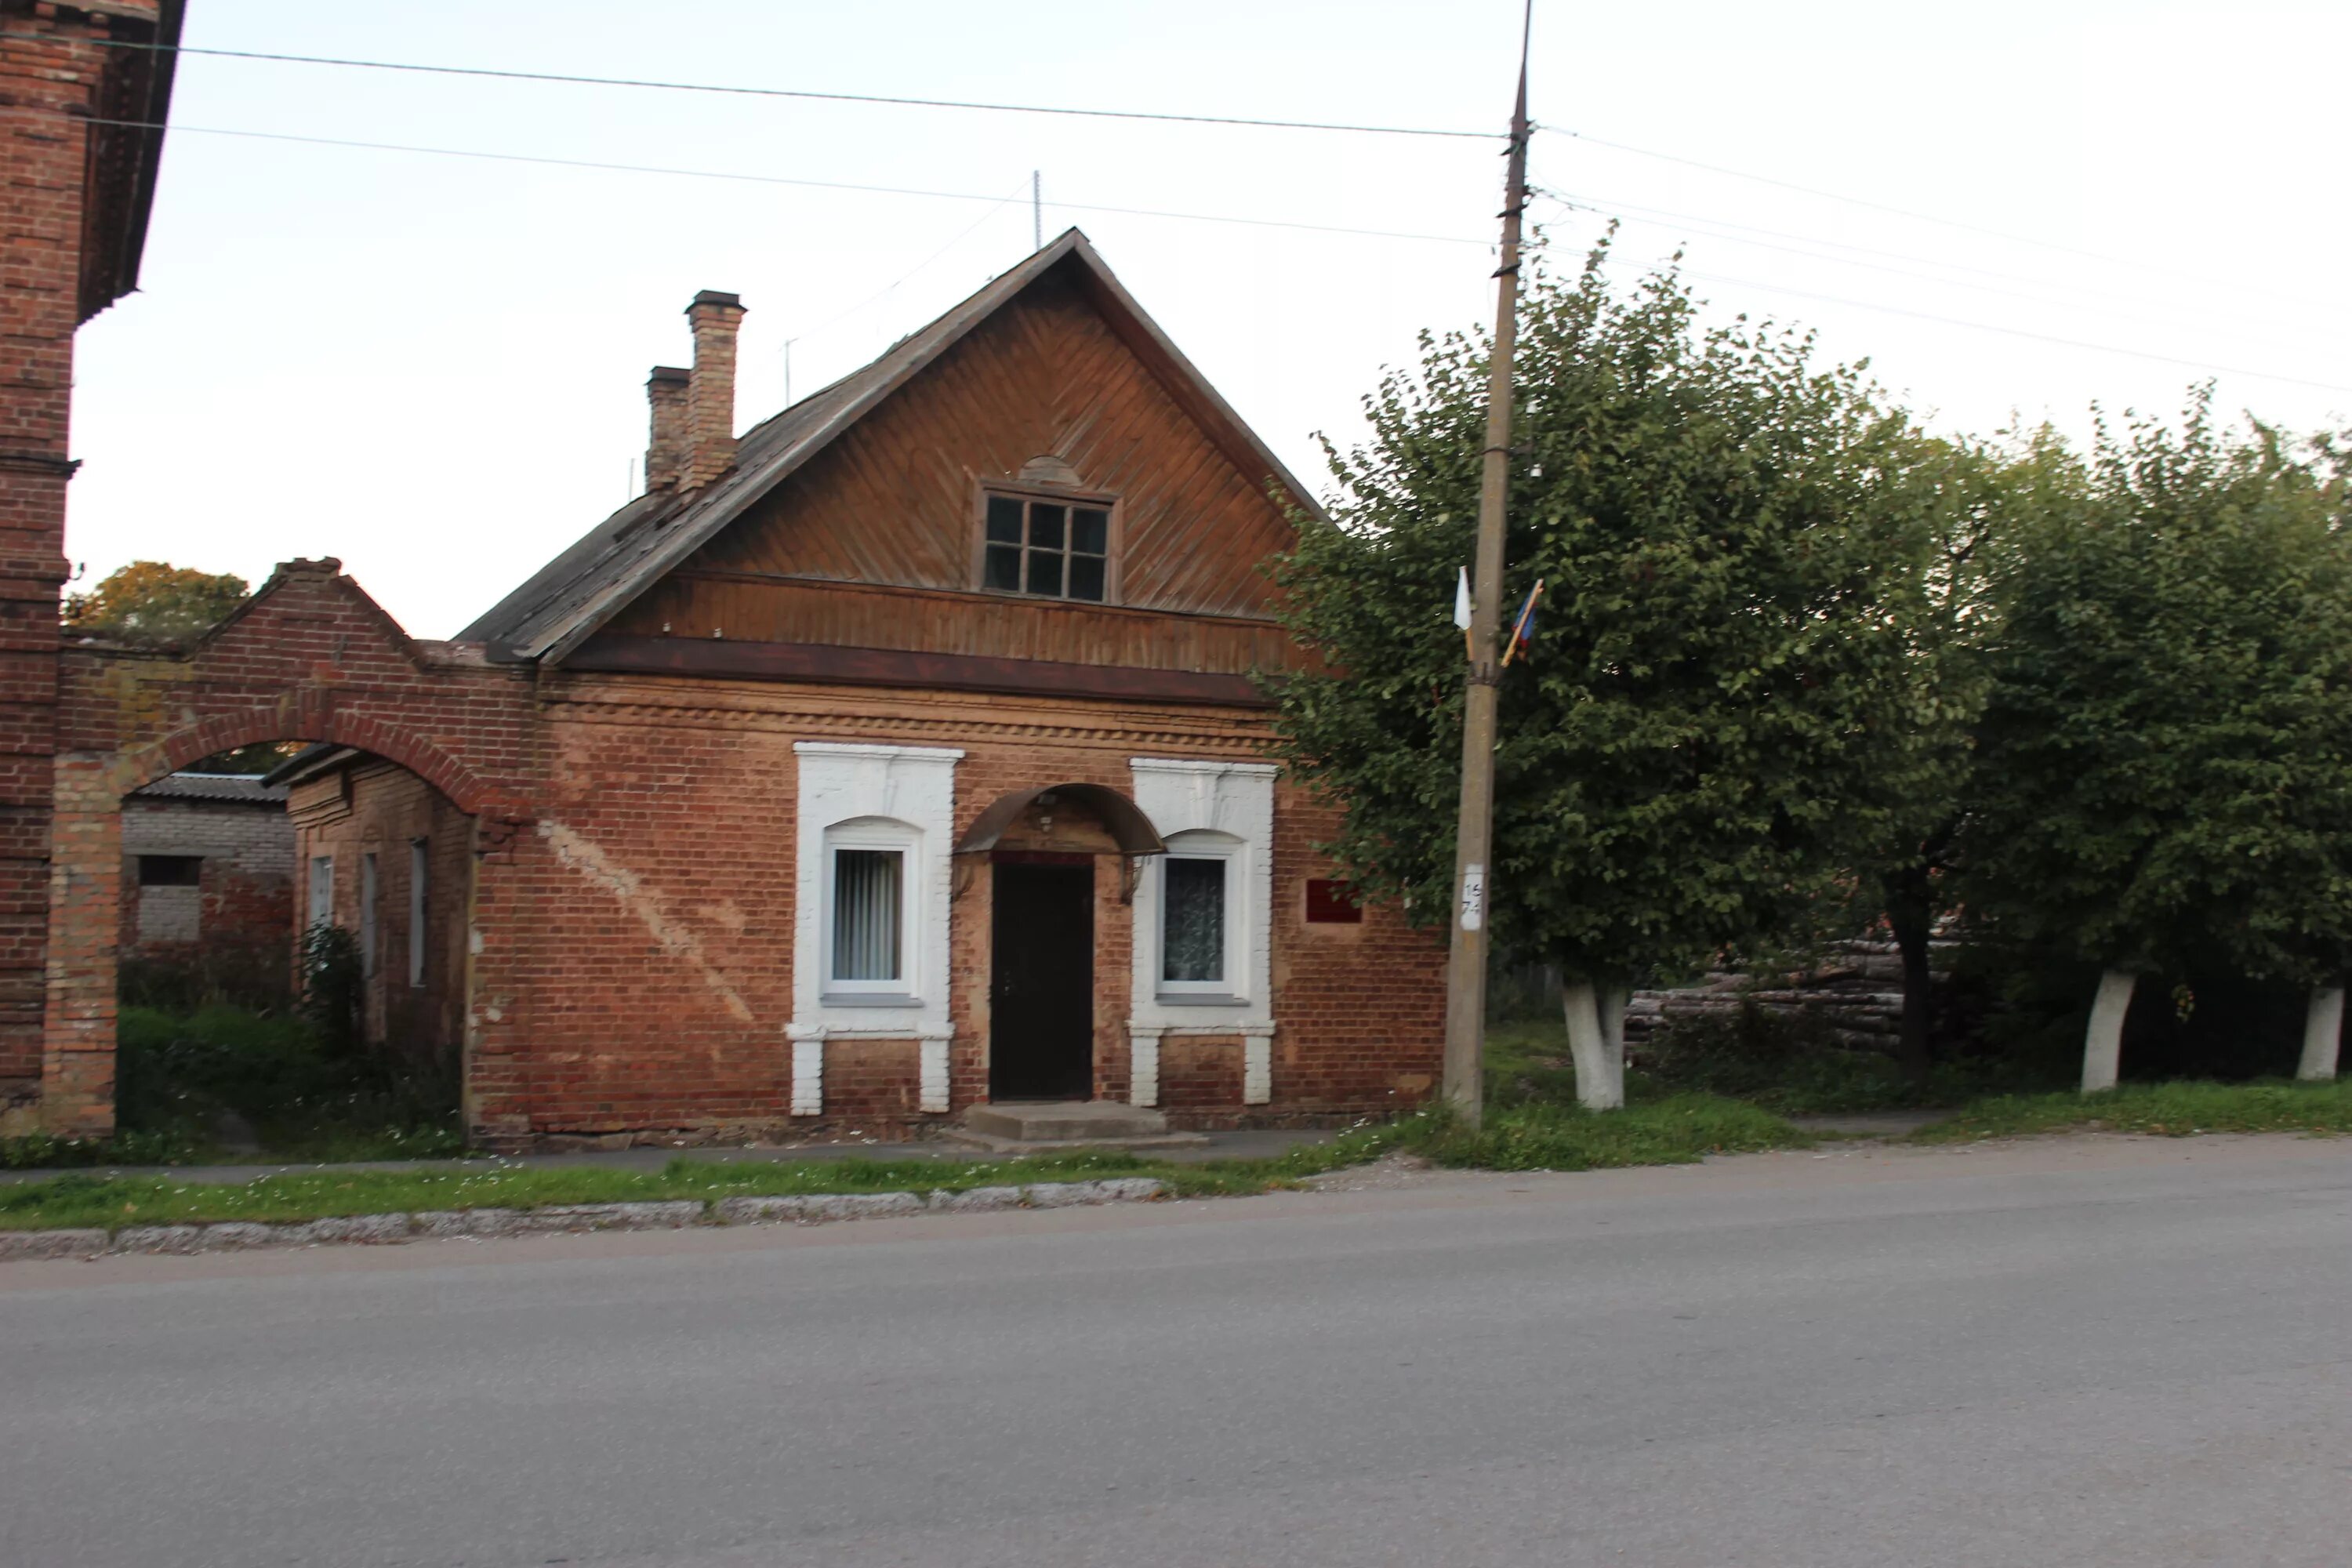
(873, 542)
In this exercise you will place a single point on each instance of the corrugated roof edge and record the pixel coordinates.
(602, 575)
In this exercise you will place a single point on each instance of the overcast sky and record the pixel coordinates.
(433, 367)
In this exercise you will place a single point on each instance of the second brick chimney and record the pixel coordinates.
(665, 449)
(710, 388)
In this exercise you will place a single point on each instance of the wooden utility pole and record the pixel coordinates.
(1465, 972)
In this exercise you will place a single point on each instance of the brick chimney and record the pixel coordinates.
(710, 388)
(665, 451)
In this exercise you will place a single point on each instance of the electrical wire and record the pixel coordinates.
(1187, 216)
(877, 297)
(775, 179)
(2206, 366)
(576, 80)
(1865, 202)
(1683, 223)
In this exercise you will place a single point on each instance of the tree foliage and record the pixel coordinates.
(2164, 774)
(154, 602)
(1728, 705)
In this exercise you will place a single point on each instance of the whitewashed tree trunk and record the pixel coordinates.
(1598, 1086)
(1611, 1000)
(2323, 1033)
(2102, 1042)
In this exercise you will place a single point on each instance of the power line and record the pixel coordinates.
(772, 180)
(1185, 217)
(1686, 223)
(1873, 206)
(724, 90)
(962, 234)
(2005, 332)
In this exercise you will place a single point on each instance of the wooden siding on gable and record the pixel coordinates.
(890, 505)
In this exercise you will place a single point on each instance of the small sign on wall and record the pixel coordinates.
(1330, 901)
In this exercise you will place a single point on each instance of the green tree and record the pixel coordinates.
(153, 602)
(1725, 708)
(1960, 491)
(2164, 772)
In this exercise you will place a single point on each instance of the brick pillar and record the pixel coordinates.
(48, 68)
(711, 387)
(85, 894)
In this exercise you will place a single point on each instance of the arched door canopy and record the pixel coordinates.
(1129, 828)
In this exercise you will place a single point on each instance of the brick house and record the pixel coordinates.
(898, 757)
(208, 871)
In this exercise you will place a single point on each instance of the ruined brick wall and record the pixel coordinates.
(309, 658)
(375, 811)
(243, 898)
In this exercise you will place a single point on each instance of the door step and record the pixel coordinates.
(1021, 1128)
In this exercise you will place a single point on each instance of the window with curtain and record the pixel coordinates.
(868, 915)
(1192, 921)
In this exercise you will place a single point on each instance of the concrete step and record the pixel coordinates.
(1065, 1120)
(1044, 1127)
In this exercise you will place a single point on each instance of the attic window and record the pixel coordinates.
(1055, 547)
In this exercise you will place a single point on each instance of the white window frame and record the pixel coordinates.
(420, 882)
(1231, 986)
(907, 842)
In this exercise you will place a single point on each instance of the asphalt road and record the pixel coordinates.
(2079, 1352)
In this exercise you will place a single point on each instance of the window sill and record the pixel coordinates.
(869, 999)
(1201, 999)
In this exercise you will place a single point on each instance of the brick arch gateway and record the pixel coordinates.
(310, 657)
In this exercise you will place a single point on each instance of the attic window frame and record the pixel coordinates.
(1053, 495)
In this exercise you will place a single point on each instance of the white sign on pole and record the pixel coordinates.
(1474, 897)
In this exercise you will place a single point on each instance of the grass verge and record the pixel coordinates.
(1532, 1137)
(2173, 1110)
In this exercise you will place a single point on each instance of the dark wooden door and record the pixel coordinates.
(1041, 994)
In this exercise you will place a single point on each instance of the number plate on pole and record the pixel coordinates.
(1474, 897)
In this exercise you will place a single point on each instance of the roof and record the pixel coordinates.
(218, 789)
(317, 757)
(569, 598)
(126, 145)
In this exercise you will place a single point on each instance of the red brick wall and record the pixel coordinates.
(310, 658)
(650, 983)
(47, 70)
(376, 808)
(629, 967)
(1360, 1009)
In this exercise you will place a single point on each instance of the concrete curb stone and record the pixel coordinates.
(379, 1229)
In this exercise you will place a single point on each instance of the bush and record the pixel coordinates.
(177, 1075)
(1797, 1064)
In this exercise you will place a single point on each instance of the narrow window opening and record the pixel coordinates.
(369, 888)
(419, 882)
(321, 910)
